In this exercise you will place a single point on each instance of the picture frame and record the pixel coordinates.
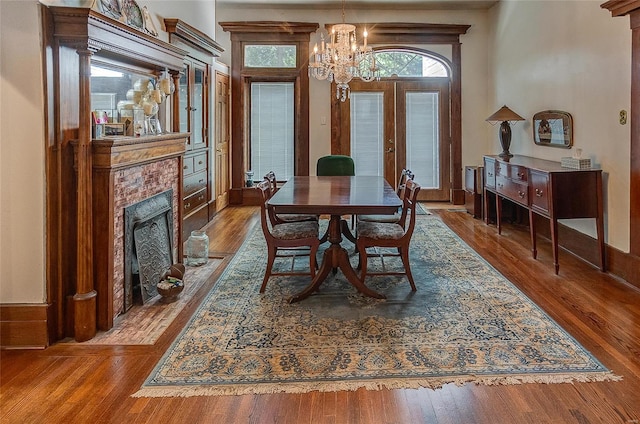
(553, 128)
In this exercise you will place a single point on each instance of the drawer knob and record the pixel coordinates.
(490, 174)
(521, 194)
(538, 192)
(201, 181)
(188, 205)
(199, 162)
(520, 175)
(185, 167)
(200, 197)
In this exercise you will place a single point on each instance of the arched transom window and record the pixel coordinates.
(405, 63)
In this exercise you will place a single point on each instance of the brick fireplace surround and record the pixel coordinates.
(126, 171)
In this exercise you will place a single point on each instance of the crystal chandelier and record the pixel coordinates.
(341, 59)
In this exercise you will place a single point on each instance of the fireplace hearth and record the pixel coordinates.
(148, 243)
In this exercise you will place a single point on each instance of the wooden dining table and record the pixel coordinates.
(336, 196)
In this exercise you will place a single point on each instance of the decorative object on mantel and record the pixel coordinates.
(553, 128)
(148, 94)
(110, 8)
(129, 12)
(340, 59)
(148, 22)
(505, 116)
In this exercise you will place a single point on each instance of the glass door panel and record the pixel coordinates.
(199, 109)
(367, 132)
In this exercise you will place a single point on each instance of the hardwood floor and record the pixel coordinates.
(70, 383)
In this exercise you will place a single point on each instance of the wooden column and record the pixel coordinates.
(84, 300)
(457, 191)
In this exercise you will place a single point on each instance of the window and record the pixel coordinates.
(272, 129)
(401, 63)
(269, 73)
(270, 56)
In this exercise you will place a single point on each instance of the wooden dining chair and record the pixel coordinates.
(286, 236)
(405, 175)
(282, 218)
(386, 234)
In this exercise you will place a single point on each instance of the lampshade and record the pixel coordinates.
(504, 114)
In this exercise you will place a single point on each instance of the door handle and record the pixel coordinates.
(390, 150)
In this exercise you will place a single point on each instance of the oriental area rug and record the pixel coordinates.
(465, 323)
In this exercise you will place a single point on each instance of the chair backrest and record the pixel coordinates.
(405, 175)
(271, 177)
(409, 206)
(264, 187)
(335, 165)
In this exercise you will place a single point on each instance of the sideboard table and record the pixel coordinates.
(547, 189)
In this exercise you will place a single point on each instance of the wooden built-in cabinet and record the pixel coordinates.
(193, 114)
(547, 189)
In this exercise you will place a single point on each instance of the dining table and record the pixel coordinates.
(336, 196)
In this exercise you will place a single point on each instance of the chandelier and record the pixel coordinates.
(340, 59)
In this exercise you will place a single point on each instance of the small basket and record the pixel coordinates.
(575, 163)
(171, 283)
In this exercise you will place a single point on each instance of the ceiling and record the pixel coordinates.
(364, 4)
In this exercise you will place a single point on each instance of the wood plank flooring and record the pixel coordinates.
(71, 383)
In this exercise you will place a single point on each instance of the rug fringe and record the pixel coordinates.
(380, 384)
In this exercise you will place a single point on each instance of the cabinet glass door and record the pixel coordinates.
(198, 109)
(183, 100)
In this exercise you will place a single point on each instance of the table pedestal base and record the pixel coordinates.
(335, 257)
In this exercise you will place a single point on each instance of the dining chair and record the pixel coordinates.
(386, 234)
(405, 175)
(286, 236)
(335, 165)
(281, 218)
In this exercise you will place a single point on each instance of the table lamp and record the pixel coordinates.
(505, 116)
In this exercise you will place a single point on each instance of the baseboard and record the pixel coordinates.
(25, 325)
(618, 263)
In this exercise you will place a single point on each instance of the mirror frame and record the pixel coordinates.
(545, 122)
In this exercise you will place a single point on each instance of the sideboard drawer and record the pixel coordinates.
(196, 199)
(187, 167)
(540, 191)
(511, 189)
(194, 182)
(200, 162)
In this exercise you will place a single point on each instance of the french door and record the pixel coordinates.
(390, 125)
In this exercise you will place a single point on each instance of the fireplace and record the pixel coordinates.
(148, 244)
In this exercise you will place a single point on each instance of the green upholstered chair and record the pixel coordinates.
(335, 165)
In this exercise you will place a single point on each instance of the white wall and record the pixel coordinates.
(474, 65)
(571, 56)
(22, 217)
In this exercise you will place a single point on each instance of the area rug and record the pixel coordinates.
(465, 323)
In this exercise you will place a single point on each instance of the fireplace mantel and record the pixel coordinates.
(118, 152)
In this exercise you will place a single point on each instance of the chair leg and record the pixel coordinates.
(313, 263)
(362, 261)
(404, 254)
(267, 273)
